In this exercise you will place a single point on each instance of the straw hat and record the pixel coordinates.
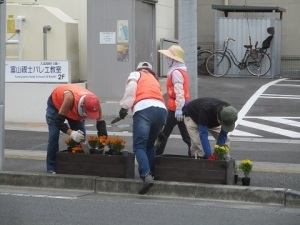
(174, 52)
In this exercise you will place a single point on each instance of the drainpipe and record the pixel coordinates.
(20, 20)
(45, 31)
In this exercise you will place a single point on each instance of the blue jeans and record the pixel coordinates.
(147, 124)
(53, 138)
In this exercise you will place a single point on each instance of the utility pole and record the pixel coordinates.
(2, 77)
(187, 37)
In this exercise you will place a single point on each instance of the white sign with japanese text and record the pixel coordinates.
(37, 71)
(107, 37)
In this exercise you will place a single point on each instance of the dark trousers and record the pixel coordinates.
(165, 134)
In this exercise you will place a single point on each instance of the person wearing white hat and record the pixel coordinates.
(144, 97)
(178, 97)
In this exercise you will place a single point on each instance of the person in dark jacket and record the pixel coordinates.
(211, 115)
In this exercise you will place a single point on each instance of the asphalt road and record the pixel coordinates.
(35, 206)
(267, 131)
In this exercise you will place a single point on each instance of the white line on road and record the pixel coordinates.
(40, 196)
(270, 129)
(242, 113)
(281, 120)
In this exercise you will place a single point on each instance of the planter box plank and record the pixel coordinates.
(117, 166)
(187, 169)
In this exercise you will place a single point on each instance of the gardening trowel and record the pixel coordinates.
(85, 147)
(116, 120)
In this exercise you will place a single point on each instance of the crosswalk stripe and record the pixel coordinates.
(282, 121)
(243, 134)
(270, 129)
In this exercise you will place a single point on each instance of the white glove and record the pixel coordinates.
(77, 136)
(178, 115)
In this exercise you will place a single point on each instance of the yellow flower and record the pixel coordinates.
(221, 152)
(246, 166)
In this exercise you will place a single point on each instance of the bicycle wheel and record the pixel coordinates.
(202, 56)
(258, 63)
(218, 64)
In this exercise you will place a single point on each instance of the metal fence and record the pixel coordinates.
(290, 65)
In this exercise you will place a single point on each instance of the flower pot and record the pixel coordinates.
(181, 168)
(246, 181)
(236, 177)
(102, 165)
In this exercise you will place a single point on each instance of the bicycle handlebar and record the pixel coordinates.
(229, 39)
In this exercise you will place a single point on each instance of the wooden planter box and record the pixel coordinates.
(118, 166)
(186, 169)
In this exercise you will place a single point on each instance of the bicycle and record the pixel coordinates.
(202, 56)
(256, 60)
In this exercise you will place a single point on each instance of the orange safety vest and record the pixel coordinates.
(148, 88)
(171, 92)
(77, 91)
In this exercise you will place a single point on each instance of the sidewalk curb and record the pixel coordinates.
(278, 196)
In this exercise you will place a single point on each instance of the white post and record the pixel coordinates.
(187, 37)
(2, 78)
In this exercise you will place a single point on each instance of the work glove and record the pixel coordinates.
(77, 135)
(178, 115)
(101, 128)
(123, 113)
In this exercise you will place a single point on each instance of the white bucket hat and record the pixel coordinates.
(144, 65)
(174, 52)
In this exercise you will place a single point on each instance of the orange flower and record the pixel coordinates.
(116, 144)
(77, 149)
(102, 141)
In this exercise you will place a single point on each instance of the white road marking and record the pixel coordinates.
(282, 120)
(242, 113)
(40, 196)
(243, 134)
(270, 129)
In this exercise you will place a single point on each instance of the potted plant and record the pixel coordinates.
(71, 144)
(113, 163)
(115, 145)
(221, 152)
(102, 142)
(246, 166)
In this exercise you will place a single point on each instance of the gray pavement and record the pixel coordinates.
(273, 181)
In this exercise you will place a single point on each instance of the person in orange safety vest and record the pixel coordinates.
(178, 97)
(144, 97)
(73, 103)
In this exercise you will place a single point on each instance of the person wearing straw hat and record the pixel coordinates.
(73, 103)
(178, 96)
(144, 97)
(212, 115)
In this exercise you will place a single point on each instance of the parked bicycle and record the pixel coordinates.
(256, 60)
(202, 56)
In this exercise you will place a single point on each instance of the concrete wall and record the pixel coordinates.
(62, 39)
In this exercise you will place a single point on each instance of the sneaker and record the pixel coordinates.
(51, 172)
(148, 183)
